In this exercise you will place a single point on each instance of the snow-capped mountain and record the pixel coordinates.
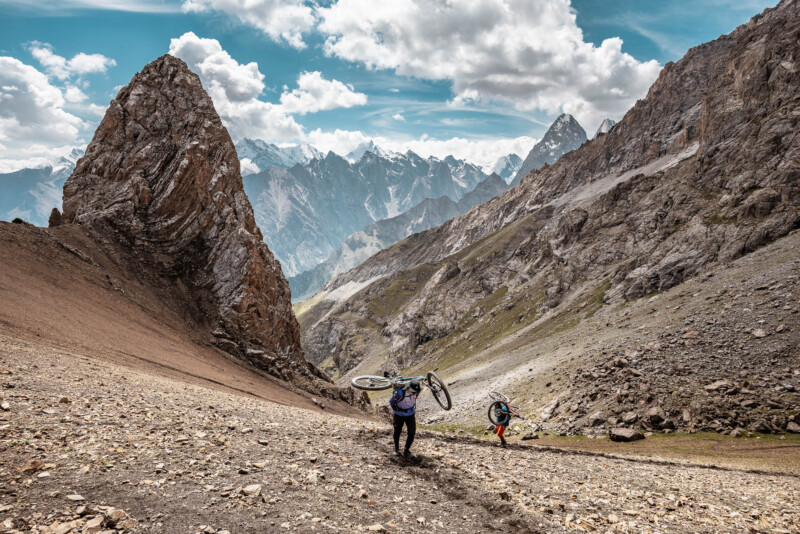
(358, 152)
(564, 135)
(307, 211)
(605, 127)
(31, 194)
(507, 166)
(256, 155)
(376, 236)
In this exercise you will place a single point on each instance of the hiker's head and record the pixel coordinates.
(415, 386)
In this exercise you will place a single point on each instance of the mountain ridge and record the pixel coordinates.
(697, 174)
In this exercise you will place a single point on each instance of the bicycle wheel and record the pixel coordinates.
(496, 395)
(498, 413)
(439, 390)
(371, 383)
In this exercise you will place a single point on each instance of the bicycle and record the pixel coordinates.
(501, 407)
(431, 381)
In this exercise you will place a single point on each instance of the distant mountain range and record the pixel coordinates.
(307, 211)
(31, 194)
(359, 246)
(256, 155)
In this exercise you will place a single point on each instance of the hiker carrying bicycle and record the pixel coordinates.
(404, 406)
(500, 414)
(503, 418)
(404, 400)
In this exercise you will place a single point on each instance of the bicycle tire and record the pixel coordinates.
(493, 416)
(371, 383)
(439, 390)
(497, 396)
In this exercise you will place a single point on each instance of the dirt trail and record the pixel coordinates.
(62, 291)
(177, 457)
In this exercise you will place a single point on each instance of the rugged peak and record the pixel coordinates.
(162, 174)
(604, 127)
(564, 135)
(507, 166)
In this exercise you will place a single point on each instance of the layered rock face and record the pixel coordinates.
(162, 174)
(702, 171)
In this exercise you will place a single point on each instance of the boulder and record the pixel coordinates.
(625, 434)
(718, 385)
(654, 415)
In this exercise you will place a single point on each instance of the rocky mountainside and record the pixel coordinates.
(507, 166)
(161, 180)
(256, 155)
(701, 172)
(564, 135)
(604, 127)
(377, 236)
(31, 194)
(307, 212)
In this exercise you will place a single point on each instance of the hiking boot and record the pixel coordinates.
(397, 452)
(408, 454)
(503, 442)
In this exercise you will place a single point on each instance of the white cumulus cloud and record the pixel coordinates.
(236, 89)
(530, 53)
(63, 68)
(33, 122)
(315, 93)
(281, 20)
(398, 117)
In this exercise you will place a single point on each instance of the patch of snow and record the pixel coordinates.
(608, 182)
(345, 291)
(393, 206)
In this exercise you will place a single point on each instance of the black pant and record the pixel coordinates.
(411, 425)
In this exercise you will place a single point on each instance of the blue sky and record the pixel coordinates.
(425, 84)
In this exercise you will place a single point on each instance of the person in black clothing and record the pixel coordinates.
(404, 406)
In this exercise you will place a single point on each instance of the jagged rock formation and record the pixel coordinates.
(361, 245)
(564, 135)
(702, 171)
(162, 174)
(55, 218)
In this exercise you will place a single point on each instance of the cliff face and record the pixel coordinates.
(702, 171)
(162, 174)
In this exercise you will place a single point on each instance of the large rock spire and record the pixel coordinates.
(163, 174)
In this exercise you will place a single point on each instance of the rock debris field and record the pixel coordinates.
(88, 446)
